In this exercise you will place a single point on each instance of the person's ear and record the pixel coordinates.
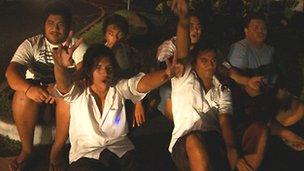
(246, 31)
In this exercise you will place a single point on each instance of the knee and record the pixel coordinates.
(255, 137)
(193, 143)
(259, 129)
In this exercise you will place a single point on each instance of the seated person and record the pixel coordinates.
(256, 95)
(202, 138)
(115, 30)
(166, 51)
(30, 74)
(98, 127)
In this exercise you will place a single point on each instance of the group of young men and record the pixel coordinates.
(86, 85)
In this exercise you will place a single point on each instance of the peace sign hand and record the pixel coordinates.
(63, 54)
(174, 68)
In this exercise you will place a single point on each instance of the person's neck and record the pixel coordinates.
(254, 44)
(207, 83)
(52, 43)
(100, 90)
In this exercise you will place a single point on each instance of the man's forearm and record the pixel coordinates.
(15, 76)
(152, 80)
(238, 77)
(63, 79)
(183, 37)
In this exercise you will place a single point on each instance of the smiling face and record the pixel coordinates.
(55, 29)
(205, 64)
(101, 71)
(256, 31)
(195, 29)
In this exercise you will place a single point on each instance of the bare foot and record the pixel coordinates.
(57, 161)
(294, 141)
(19, 162)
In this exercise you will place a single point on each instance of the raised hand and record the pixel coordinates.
(174, 68)
(180, 7)
(63, 54)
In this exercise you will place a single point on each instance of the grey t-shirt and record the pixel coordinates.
(242, 55)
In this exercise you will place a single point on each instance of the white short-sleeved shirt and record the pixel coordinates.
(242, 55)
(92, 131)
(193, 108)
(36, 54)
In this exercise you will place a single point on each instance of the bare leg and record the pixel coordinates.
(62, 131)
(197, 154)
(254, 143)
(25, 112)
(168, 109)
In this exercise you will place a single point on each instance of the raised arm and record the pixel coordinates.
(63, 59)
(180, 7)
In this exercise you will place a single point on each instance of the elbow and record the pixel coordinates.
(140, 88)
(8, 74)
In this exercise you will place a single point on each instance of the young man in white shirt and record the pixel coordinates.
(98, 126)
(30, 74)
(167, 50)
(202, 138)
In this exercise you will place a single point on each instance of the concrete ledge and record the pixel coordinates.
(43, 135)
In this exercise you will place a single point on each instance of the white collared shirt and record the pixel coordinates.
(90, 131)
(193, 108)
(36, 54)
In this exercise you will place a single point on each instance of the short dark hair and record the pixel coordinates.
(203, 45)
(252, 16)
(58, 8)
(118, 21)
(92, 55)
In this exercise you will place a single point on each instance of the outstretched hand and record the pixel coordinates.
(63, 54)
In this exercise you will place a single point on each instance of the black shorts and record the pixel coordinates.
(108, 161)
(215, 147)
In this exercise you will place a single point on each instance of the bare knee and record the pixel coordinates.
(197, 154)
(192, 143)
(21, 104)
(255, 138)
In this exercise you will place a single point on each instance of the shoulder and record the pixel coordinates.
(35, 40)
(220, 87)
(269, 48)
(240, 45)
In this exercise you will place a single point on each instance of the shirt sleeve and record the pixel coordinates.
(79, 52)
(225, 102)
(128, 88)
(23, 54)
(73, 94)
(237, 56)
